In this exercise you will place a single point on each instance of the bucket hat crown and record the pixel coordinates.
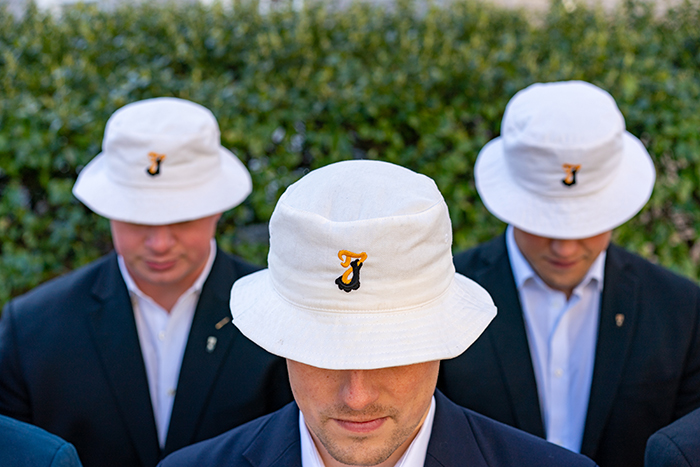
(360, 274)
(564, 165)
(162, 162)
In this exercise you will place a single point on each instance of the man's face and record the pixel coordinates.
(561, 264)
(363, 417)
(164, 258)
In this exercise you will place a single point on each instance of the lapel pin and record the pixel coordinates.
(211, 344)
(222, 323)
(619, 319)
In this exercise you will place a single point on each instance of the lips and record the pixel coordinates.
(160, 265)
(362, 426)
(563, 264)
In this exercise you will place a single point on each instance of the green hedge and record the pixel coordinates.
(294, 90)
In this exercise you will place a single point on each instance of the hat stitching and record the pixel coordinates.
(344, 282)
(156, 159)
(369, 313)
(571, 170)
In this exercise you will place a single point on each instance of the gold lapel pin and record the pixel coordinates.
(211, 343)
(619, 319)
(222, 323)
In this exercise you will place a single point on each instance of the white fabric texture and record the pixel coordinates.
(525, 177)
(410, 305)
(163, 338)
(161, 163)
(562, 337)
(413, 457)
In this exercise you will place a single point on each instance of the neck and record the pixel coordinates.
(166, 295)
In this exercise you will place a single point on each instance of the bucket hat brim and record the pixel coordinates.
(440, 329)
(571, 217)
(161, 206)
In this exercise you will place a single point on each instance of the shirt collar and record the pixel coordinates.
(196, 287)
(414, 455)
(522, 271)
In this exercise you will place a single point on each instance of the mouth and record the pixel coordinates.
(562, 263)
(365, 426)
(160, 265)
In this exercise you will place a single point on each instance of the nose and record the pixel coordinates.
(358, 390)
(564, 248)
(159, 238)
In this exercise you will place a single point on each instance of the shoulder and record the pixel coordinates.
(499, 444)
(20, 440)
(65, 289)
(239, 266)
(500, 441)
(685, 427)
(231, 448)
(471, 261)
(223, 450)
(503, 442)
(644, 268)
(677, 444)
(655, 280)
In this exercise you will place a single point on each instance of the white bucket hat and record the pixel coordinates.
(564, 166)
(360, 274)
(162, 162)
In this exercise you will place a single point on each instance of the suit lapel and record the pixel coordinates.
(509, 339)
(117, 343)
(200, 366)
(278, 442)
(452, 441)
(619, 297)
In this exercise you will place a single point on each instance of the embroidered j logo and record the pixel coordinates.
(346, 257)
(571, 170)
(156, 159)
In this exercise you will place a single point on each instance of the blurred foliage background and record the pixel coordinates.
(424, 87)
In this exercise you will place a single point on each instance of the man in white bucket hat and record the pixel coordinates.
(362, 299)
(594, 348)
(134, 356)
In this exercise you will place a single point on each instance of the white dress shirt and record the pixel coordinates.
(562, 337)
(163, 337)
(413, 457)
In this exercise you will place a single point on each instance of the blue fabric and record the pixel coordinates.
(24, 445)
(677, 445)
(459, 437)
(646, 372)
(70, 362)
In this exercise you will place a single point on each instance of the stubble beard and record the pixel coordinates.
(362, 451)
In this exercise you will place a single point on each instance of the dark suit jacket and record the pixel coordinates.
(24, 445)
(459, 437)
(70, 362)
(646, 372)
(677, 445)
